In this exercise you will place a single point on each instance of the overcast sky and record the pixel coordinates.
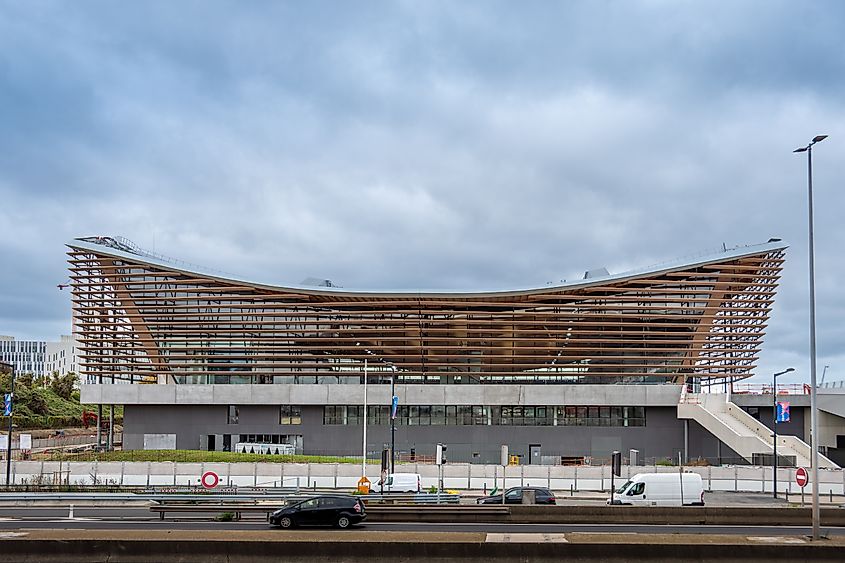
(424, 144)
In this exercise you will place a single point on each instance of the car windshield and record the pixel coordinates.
(621, 489)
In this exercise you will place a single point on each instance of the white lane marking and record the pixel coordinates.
(514, 525)
(526, 538)
(776, 539)
(6, 535)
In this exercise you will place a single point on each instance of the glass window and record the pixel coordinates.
(637, 489)
(425, 416)
(480, 415)
(233, 415)
(438, 415)
(451, 415)
(353, 415)
(290, 414)
(465, 415)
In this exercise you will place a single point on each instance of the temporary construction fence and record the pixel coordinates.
(458, 476)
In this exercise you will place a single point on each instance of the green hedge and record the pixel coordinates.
(47, 422)
(200, 456)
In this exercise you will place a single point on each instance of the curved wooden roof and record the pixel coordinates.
(138, 315)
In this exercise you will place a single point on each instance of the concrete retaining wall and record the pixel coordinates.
(233, 551)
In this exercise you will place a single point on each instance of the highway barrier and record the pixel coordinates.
(461, 476)
(537, 514)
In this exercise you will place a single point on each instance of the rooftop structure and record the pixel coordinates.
(142, 316)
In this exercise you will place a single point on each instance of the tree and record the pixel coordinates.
(63, 385)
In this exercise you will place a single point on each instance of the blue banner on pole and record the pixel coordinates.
(7, 404)
(394, 406)
(783, 411)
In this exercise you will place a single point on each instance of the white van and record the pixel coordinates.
(661, 489)
(402, 483)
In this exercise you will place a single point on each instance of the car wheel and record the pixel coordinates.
(285, 522)
(343, 522)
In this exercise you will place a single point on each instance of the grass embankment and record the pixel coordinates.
(199, 456)
(47, 402)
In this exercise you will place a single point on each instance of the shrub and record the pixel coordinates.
(225, 517)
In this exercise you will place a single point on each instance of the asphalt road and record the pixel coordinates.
(116, 518)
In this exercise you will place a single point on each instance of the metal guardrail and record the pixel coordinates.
(280, 495)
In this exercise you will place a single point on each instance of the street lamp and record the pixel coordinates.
(11, 412)
(392, 419)
(814, 417)
(364, 448)
(824, 371)
(775, 426)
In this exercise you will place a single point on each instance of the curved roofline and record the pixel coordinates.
(138, 255)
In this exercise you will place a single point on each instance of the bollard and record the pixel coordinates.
(831, 495)
(485, 488)
(70, 513)
(571, 490)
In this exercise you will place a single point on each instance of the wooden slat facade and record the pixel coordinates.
(140, 318)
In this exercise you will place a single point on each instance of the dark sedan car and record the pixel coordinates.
(328, 510)
(542, 495)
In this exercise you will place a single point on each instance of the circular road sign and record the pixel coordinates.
(801, 477)
(209, 479)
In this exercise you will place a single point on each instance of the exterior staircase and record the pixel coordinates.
(740, 431)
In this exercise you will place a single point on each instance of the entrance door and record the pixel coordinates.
(211, 445)
(534, 454)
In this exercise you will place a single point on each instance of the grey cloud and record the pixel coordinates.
(420, 145)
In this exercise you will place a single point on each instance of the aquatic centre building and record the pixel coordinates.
(566, 372)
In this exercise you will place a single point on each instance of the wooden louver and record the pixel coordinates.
(139, 317)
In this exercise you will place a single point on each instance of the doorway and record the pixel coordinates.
(534, 454)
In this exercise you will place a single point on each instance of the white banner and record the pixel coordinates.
(4, 445)
(26, 442)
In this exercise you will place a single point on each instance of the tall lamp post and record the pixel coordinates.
(364, 449)
(11, 412)
(814, 417)
(775, 426)
(393, 419)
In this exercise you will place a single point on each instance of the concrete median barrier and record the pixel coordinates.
(234, 547)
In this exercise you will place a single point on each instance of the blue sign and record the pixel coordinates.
(783, 411)
(7, 405)
(394, 406)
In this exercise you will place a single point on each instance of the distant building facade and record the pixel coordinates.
(60, 357)
(28, 356)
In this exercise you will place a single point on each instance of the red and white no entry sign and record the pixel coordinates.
(801, 477)
(209, 479)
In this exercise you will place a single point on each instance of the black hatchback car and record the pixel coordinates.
(542, 495)
(328, 510)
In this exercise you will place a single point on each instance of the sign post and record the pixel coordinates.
(209, 480)
(802, 478)
(505, 460)
(615, 470)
